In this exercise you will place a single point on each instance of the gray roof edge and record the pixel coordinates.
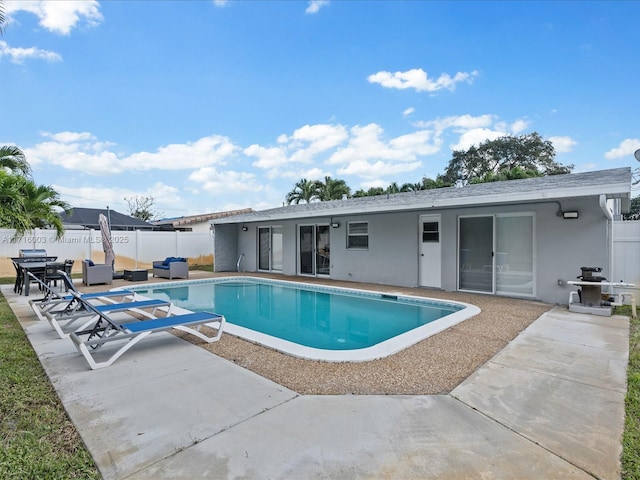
(615, 184)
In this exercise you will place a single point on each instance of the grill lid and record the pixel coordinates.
(33, 252)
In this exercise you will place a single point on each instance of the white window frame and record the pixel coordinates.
(351, 235)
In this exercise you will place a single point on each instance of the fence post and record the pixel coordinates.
(137, 246)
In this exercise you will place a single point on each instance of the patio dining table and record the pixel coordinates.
(35, 265)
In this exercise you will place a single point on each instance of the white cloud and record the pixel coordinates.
(374, 170)
(419, 80)
(80, 151)
(303, 146)
(100, 196)
(626, 148)
(473, 130)
(205, 151)
(58, 16)
(19, 55)
(519, 126)
(69, 137)
(476, 136)
(458, 122)
(408, 111)
(563, 144)
(221, 182)
(315, 5)
(365, 144)
(416, 143)
(97, 196)
(268, 157)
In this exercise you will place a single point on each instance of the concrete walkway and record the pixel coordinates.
(550, 405)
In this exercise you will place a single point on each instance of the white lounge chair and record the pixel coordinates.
(107, 330)
(60, 320)
(56, 302)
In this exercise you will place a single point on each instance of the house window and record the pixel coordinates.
(358, 235)
(430, 232)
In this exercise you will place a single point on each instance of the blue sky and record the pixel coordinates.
(210, 106)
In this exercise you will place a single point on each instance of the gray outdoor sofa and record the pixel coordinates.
(171, 267)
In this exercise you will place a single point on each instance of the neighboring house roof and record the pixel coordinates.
(614, 183)
(86, 218)
(195, 219)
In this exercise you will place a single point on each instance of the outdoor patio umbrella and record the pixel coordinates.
(107, 244)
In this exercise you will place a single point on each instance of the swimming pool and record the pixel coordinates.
(313, 321)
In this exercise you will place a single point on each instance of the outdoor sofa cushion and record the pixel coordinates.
(165, 263)
(171, 267)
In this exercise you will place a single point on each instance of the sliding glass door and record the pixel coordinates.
(475, 254)
(270, 249)
(514, 258)
(314, 249)
(496, 254)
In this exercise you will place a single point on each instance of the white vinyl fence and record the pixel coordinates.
(133, 249)
(626, 252)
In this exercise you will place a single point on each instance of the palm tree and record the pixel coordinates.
(14, 160)
(304, 190)
(25, 205)
(333, 189)
(3, 18)
(393, 188)
(372, 192)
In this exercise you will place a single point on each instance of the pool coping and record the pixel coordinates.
(380, 350)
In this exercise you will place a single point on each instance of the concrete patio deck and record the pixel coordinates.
(549, 405)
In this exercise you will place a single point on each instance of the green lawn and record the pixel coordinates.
(631, 438)
(38, 441)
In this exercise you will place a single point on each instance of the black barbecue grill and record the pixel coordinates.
(32, 252)
(588, 274)
(591, 296)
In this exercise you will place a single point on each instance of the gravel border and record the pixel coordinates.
(433, 366)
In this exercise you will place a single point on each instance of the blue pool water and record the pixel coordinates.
(308, 315)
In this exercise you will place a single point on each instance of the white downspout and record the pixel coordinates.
(609, 215)
(605, 209)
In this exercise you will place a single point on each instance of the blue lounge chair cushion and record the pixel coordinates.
(114, 307)
(168, 322)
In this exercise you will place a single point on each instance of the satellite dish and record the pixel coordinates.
(635, 180)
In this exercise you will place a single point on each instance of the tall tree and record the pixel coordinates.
(41, 206)
(304, 191)
(142, 208)
(14, 160)
(25, 205)
(371, 192)
(333, 189)
(634, 210)
(3, 18)
(527, 155)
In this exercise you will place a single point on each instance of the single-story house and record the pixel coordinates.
(194, 223)
(87, 218)
(521, 238)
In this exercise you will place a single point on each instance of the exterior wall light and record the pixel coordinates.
(566, 215)
(335, 225)
(244, 228)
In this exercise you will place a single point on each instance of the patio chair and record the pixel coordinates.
(93, 273)
(107, 330)
(17, 287)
